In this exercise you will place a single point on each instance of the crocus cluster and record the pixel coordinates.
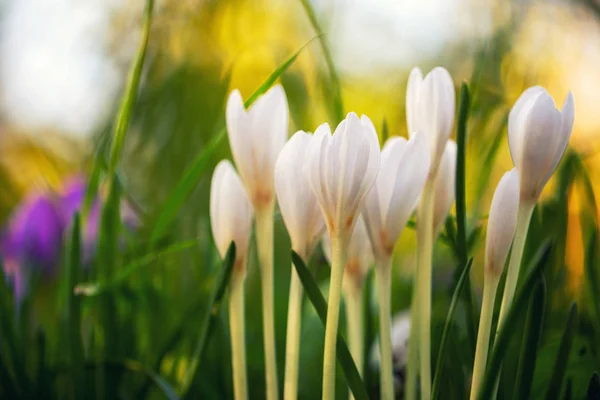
(31, 241)
(363, 196)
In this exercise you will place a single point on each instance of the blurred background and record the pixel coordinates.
(62, 71)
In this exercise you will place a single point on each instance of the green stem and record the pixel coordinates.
(424, 254)
(353, 295)
(490, 286)
(384, 286)
(338, 250)
(238, 338)
(412, 371)
(514, 266)
(264, 240)
(292, 343)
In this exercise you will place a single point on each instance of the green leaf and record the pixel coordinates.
(344, 357)
(385, 134)
(593, 392)
(531, 340)
(73, 307)
(506, 331)
(130, 95)
(98, 287)
(562, 358)
(210, 318)
(338, 105)
(460, 187)
(449, 318)
(192, 175)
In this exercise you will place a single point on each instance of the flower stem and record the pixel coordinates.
(338, 248)
(490, 286)
(412, 372)
(424, 254)
(292, 343)
(264, 241)
(238, 338)
(512, 275)
(353, 294)
(384, 288)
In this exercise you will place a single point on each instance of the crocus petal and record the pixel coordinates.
(297, 202)
(502, 222)
(412, 92)
(230, 211)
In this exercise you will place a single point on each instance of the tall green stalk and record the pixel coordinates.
(338, 260)
(264, 240)
(384, 286)
(424, 271)
(490, 288)
(238, 337)
(412, 370)
(292, 343)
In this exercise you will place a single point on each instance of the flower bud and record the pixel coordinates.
(538, 134)
(430, 105)
(502, 223)
(297, 202)
(256, 137)
(341, 169)
(230, 211)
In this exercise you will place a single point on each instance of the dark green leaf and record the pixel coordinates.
(210, 318)
(460, 187)
(508, 327)
(531, 340)
(192, 175)
(449, 318)
(593, 392)
(344, 357)
(562, 358)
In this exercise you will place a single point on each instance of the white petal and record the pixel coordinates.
(502, 222)
(359, 248)
(412, 93)
(517, 119)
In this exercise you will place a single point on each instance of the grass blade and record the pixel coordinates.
(338, 105)
(507, 329)
(562, 358)
(593, 391)
(531, 340)
(449, 318)
(98, 287)
(73, 307)
(192, 175)
(130, 95)
(210, 318)
(344, 357)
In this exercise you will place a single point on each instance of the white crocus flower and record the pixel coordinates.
(230, 211)
(430, 106)
(390, 202)
(297, 202)
(340, 169)
(444, 193)
(256, 137)
(538, 134)
(502, 223)
(231, 220)
(305, 225)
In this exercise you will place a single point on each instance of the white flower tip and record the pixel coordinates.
(235, 99)
(502, 222)
(416, 75)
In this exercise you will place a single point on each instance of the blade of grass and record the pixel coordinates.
(338, 105)
(593, 391)
(73, 308)
(384, 131)
(562, 358)
(531, 340)
(131, 93)
(192, 175)
(507, 329)
(344, 357)
(449, 318)
(461, 213)
(96, 288)
(209, 319)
